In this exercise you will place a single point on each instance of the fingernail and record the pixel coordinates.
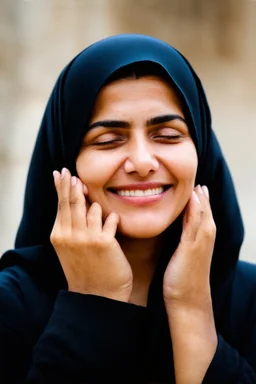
(195, 196)
(85, 189)
(54, 174)
(73, 181)
(200, 189)
(206, 190)
(63, 171)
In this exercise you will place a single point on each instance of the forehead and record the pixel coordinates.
(137, 93)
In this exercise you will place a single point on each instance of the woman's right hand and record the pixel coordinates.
(91, 257)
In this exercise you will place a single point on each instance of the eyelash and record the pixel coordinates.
(165, 137)
(108, 142)
(169, 137)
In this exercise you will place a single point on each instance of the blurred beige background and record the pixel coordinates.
(39, 37)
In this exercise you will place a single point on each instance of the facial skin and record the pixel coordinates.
(141, 151)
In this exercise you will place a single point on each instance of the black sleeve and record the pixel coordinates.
(235, 358)
(64, 337)
(229, 367)
(88, 338)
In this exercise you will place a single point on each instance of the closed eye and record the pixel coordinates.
(118, 141)
(109, 142)
(168, 137)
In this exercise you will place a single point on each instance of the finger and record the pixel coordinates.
(85, 190)
(55, 233)
(77, 204)
(207, 200)
(204, 199)
(193, 216)
(206, 191)
(62, 184)
(55, 229)
(208, 227)
(94, 217)
(200, 194)
(56, 179)
(110, 225)
(87, 203)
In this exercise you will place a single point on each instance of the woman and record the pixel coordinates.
(118, 273)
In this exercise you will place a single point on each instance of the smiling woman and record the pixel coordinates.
(138, 131)
(120, 247)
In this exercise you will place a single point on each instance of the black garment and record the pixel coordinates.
(48, 334)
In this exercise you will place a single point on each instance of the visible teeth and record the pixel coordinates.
(138, 192)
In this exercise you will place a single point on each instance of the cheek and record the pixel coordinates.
(95, 169)
(182, 163)
(88, 168)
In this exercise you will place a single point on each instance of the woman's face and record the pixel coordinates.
(138, 158)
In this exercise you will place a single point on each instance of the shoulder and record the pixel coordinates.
(243, 291)
(245, 279)
(241, 313)
(13, 282)
(24, 305)
(243, 294)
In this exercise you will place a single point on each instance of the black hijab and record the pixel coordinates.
(64, 124)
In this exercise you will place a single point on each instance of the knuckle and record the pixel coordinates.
(52, 238)
(63, 203)
(74, 199)
(60, 239)
(208, 235)
(73, 202)
(210, 231)
(56, 239)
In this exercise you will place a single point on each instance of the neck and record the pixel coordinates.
(140, 251)
(142, 255)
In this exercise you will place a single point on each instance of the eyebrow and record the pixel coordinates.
(124, 124)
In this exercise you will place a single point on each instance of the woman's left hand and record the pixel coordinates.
(187, 276)
(187, 293)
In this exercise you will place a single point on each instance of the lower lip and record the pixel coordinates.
(142, 200)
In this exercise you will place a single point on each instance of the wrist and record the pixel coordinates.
(191, 304)
(194, 340)
(190, 311)
(194, 324)
(123, 296)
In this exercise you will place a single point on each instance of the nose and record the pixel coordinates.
(141, 159)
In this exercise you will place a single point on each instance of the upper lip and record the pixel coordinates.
(141, 186)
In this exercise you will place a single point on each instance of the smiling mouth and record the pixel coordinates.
(140, 192)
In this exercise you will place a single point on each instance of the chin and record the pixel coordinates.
(142, 230)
